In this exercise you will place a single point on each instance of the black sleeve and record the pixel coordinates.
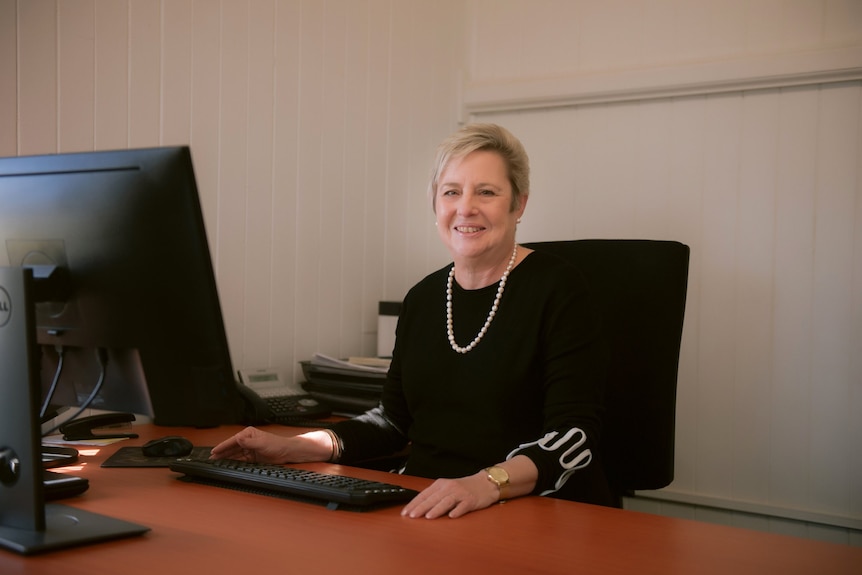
(381, 431)
(369, 435)
(575, 357)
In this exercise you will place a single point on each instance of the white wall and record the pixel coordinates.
(731, 125)
(312, 126)
(736, 128)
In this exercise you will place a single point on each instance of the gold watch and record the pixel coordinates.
(499, 477)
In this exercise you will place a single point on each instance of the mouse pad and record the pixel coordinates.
(133, 457)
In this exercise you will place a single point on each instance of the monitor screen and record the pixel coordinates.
(126, 229)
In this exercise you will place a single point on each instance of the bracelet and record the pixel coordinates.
(337, 447)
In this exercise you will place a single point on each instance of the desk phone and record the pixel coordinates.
(274, 401)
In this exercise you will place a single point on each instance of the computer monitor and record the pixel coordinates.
(124, 229)
(27, 524)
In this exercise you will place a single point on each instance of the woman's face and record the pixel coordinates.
(473, 203)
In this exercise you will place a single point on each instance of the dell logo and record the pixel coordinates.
(5, 307)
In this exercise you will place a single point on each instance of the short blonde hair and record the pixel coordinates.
(488, 137)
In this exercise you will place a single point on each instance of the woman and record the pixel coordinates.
(498, 369)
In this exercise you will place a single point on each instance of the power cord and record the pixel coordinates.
(61, 353)
(102, 356)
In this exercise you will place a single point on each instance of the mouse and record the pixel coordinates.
(169, 446)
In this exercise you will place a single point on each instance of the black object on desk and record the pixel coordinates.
(27, 524)
(132, 456)
(86, 427)
(336, 491)
(58, 456)
(61, 485)
(349, 391)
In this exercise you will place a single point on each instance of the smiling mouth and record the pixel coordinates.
(468, 229)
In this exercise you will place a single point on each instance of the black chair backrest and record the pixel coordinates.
(640, 286)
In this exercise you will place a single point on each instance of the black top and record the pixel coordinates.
(533, 385)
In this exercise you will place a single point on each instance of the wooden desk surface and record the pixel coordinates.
(200, 529)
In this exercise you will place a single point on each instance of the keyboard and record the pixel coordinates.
(282, 481)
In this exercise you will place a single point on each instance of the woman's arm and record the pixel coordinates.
(256, 446)
(457, 497)
(574, 366)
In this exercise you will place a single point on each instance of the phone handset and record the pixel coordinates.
(256, 410)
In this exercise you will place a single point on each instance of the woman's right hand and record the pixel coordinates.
(255, 446)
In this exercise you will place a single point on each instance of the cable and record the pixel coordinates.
(61, 353)
(102, 356)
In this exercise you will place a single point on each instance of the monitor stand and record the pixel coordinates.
(66, 526)
(27, 524)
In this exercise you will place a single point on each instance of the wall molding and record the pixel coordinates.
(731, 75)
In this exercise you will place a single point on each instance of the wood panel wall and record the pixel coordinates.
(312, 127)
(736, 128)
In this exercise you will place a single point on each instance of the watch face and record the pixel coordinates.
(499, 475)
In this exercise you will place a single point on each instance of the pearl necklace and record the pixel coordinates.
(449, 323)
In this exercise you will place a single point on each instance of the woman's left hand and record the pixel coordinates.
(453, 497)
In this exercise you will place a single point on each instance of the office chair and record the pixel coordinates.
(640, 287)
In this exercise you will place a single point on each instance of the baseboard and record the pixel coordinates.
(753, 508)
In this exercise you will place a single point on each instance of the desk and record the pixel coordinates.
(201, 529)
